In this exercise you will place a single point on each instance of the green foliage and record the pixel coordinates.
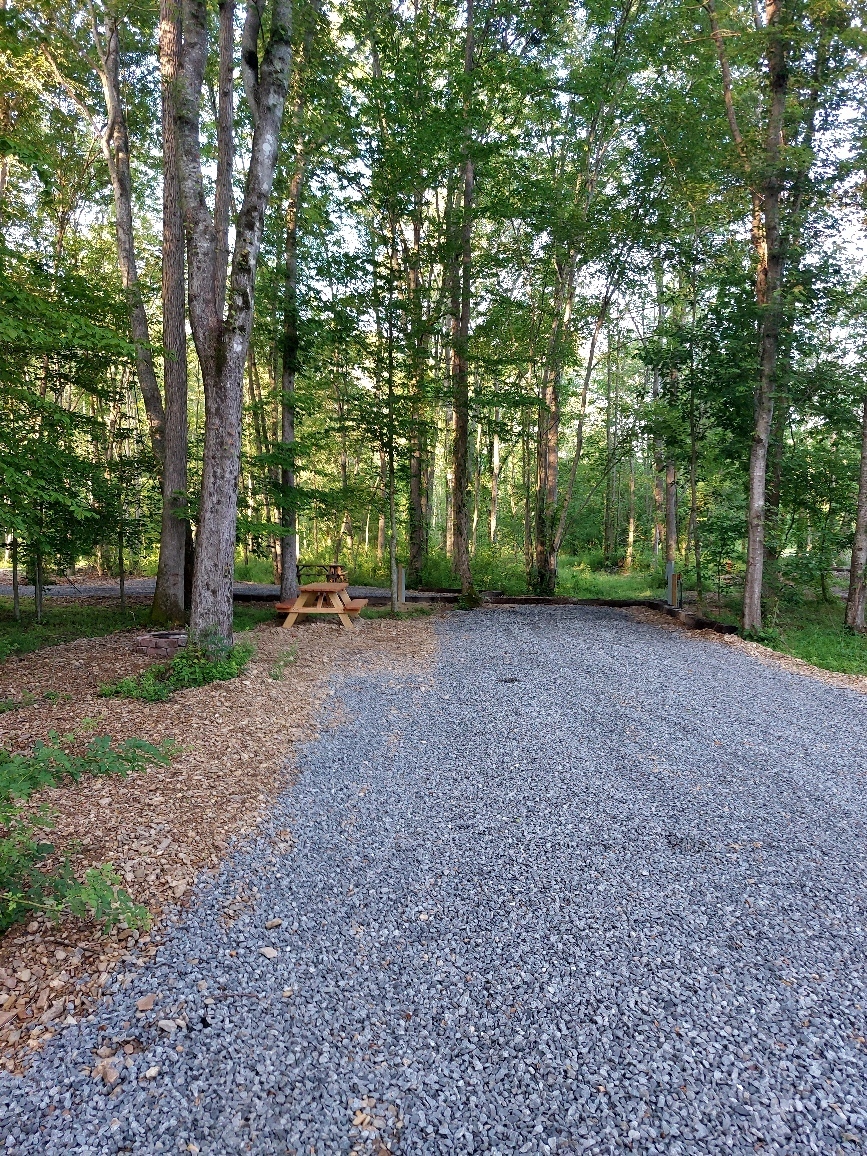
(248, 615)
(24, 884)
(49, 763)
(283, 662)
(63, 620)
(580, 581)
(196, 665)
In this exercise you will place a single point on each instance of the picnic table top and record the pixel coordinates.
(323, 588)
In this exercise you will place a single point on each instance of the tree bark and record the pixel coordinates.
(288, 514)
(169, 601)
(630, 530)
(225, 150)
(495, 482)
(221, 346)
(114, 141)
(765, 184)
(461, 300)
(855, 603)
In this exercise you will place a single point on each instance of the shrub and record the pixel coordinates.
(195, 666)
(24, 885)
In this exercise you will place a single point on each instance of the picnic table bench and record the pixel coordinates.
(330, 571)
(322, 598)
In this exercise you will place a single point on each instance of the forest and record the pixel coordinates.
(547, 297)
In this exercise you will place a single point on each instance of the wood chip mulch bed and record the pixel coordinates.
(162, 827)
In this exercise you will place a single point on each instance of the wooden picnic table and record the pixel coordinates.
(322, 598)
(331, 571)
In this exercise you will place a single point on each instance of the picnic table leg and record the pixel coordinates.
(297, 605)
(340, 610)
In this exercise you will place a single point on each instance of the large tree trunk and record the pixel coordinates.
(169, 602)
(855, 603)
(222, 346)
(225, 150)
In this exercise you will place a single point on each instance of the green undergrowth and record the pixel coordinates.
(248, 615)
(282, 663)
(193, 666)
(68, 621)
(62, 622)
(577, 580)
(815, 631)
(26, 885)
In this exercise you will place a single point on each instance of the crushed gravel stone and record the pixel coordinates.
(578, 886)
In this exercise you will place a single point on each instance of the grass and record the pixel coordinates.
(67, 621)
(815, 631)
(581, 582)
(62, 622)
(282, 663)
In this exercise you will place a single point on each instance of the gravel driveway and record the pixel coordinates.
(585, 885)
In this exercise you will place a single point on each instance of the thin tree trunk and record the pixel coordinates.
(582, 414)
(121, 570)
(461, 300)
(169, 597)
(670, 513)
(288, 514)
(548, 441)
(765, 188)
(630, 531)
(114, 141)
(16, 593)
(857, 598)
(495, 482)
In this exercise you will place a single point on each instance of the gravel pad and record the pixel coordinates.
(584, 886)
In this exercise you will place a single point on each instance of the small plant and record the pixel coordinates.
(51, 762)
(469, 601)
(24, 885)
(280, 664)
(769, 636)
(197, 665)
(7, 704)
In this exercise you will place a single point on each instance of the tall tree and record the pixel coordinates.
(222, 341)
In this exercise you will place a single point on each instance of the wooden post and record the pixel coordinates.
(401, 582)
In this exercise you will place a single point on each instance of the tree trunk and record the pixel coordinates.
(225, 151)
(630, 531)
(461, 299)
(855, 602)
(169, 602)
(114, 141)
(765, 182)
(548, 442)
(222, 346)
(495, 481)
(288, 513)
